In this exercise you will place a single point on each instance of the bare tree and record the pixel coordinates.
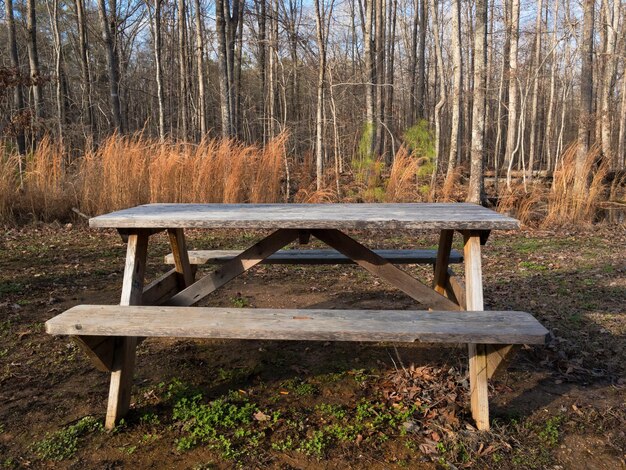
(612, 16)
(586, 95)
(475, 192)
(18, 95)
(87, 99)
(535, 98)
(33, 58)
(322, 16)
(442, 81)
(511, 141)
(200, 69)
(455, 125)
(112, 64)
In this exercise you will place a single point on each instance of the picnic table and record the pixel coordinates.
(453, 310)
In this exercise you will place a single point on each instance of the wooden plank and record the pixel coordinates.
(181, 258)
(498, 357)
(134, 268)
(414, 216)
(125, 232)
(382, 268)
(99, 349)
(440, 278)
(479, 396)
(301, 324)
(125, 347)
(227, 272)
(317, 257)
(164, 287)
(455, 289)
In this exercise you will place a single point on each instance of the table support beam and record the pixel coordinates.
(237, 266)
(440, 278)
(181, 256)
(124, 353)
(477, 352)
(382, 268)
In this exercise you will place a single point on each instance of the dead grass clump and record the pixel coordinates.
(48, 192)
(571, 201)
(402, 182)
(115, 175)
(127, 171)
(9, 183)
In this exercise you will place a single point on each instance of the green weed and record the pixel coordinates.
(63, 444)
(240, 302)
(549, 434)
(218, 424)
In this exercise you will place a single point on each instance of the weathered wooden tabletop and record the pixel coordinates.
(440, 216)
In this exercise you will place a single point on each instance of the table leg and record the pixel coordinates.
(443, 259)
(181, 256)
(477, 352)
(125, 347)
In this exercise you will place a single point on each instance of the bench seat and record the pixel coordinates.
(489, 327)
(317, 257)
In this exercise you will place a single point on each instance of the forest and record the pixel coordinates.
(379, 100)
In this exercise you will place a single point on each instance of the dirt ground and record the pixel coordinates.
(202, 404)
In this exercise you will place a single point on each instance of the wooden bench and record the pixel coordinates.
(317, 257)
(100, 329)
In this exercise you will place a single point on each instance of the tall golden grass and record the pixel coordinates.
(563, 203)
(131, 170)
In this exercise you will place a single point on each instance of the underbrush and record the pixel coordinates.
(48, 183)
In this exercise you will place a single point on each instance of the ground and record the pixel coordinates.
(223, 404)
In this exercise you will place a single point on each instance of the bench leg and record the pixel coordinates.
(477, 352)
(121, 380)
(479, 397)
(125, 348)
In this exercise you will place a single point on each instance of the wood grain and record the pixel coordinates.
(440, 216)
(125, 347)
(506, 327)
(440, 277)
(317, 257)
(479, 395)
(381, 268)
(180, 256)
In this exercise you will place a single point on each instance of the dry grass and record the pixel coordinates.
(564, 203)
(131, 170)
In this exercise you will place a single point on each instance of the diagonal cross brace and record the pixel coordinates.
(230, 270)
(382, 268)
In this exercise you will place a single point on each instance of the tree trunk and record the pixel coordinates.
(585, 121)
(58, 56)
(535, 101)
(319, 124)
(455, 131)
(513, 87)
(476, 184)
(182, 69)
(421, 62)
(553, 67)
(612, 19)
(33, 58)
(158, 65)
(442, 80)
(87, 100)
(112, 66)
(200, 66)
(621, 141)
(18, 95)
(370, 80)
